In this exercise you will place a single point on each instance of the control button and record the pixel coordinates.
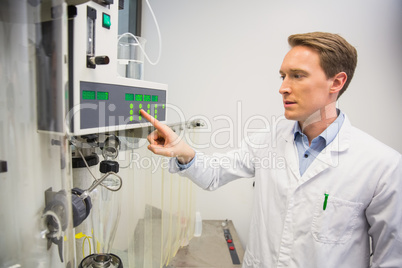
(139, 112)
(131, 112)
(156, 116)
(148, 111)
(3, 166)
(163, 106)
(140, 106)
(101, 60)
(131, 118)
(149, 106)
(131, 106)
(140, 117)
(229, 240)
(156, 111)
(232, 248)
(156, 106)
(106, 21)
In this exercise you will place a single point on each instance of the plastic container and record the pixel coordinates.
(198, 224)
(130, 57)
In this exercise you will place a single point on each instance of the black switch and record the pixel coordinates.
(3, 166)
(108, 165)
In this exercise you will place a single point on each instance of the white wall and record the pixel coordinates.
(221, 58)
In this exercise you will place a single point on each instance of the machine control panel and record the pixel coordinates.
(112, 105)
(100, 98)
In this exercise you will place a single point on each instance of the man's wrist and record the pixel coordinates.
(184, 160)
(185, 166)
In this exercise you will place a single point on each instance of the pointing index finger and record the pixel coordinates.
(158, 125)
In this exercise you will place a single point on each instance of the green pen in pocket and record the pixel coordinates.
(325, 201)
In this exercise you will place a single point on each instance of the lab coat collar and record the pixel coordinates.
(340, 143)
(329, 156)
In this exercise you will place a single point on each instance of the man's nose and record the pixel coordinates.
(284, 89)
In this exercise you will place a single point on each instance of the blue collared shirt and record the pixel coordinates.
(185, 166)
(307, 153)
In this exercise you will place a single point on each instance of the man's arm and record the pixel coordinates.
(164, 141)
(208, 172)
(384, 215)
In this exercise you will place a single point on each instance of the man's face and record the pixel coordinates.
(305, 88)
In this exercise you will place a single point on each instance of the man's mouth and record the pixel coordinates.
(287, 103)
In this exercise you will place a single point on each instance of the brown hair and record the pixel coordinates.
(336, 54)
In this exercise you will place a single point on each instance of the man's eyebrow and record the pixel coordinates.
(294, 71)
(298, 71)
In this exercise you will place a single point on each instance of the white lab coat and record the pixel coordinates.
(289, 227)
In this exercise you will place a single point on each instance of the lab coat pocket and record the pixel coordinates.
(336, 223)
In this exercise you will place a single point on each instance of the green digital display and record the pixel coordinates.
(147, 97)
(129, 97)
(88, 95)
(138, 97)
(155, 98)
(102, 95)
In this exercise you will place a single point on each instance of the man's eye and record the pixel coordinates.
(297, 76)
(282, 77)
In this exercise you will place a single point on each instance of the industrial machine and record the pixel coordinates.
(98, 100)
(99, 103)
(69, 116)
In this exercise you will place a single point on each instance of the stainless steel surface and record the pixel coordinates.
(210, 249)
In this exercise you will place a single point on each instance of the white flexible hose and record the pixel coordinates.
(138, 42)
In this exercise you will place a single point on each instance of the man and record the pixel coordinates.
(337, 199)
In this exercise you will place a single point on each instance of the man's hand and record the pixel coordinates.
(164, 141)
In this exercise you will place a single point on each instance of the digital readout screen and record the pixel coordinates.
(147, 97)
(102, 95)
(138, 97)
(129, 97)
(88, 95)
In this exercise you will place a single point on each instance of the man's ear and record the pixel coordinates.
(338, 82)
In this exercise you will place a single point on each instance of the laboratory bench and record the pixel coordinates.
(218, 247)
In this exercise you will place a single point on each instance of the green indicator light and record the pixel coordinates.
(131, 112)
(156, 111)
(148, 106)
(155, 98)
(129, 97)
(88, 95)
(140, 117)
(163, 106)
(149, 112)
(102, 95)
(156, 116)
(147, 97)
(138, 97)
(131, 118)
(140, 105)
(156, 106)
(106, 21)
(131, 106)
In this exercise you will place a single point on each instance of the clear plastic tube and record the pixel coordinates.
(105, 217)
(139, 43)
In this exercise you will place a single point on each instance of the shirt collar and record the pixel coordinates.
(329, 133)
